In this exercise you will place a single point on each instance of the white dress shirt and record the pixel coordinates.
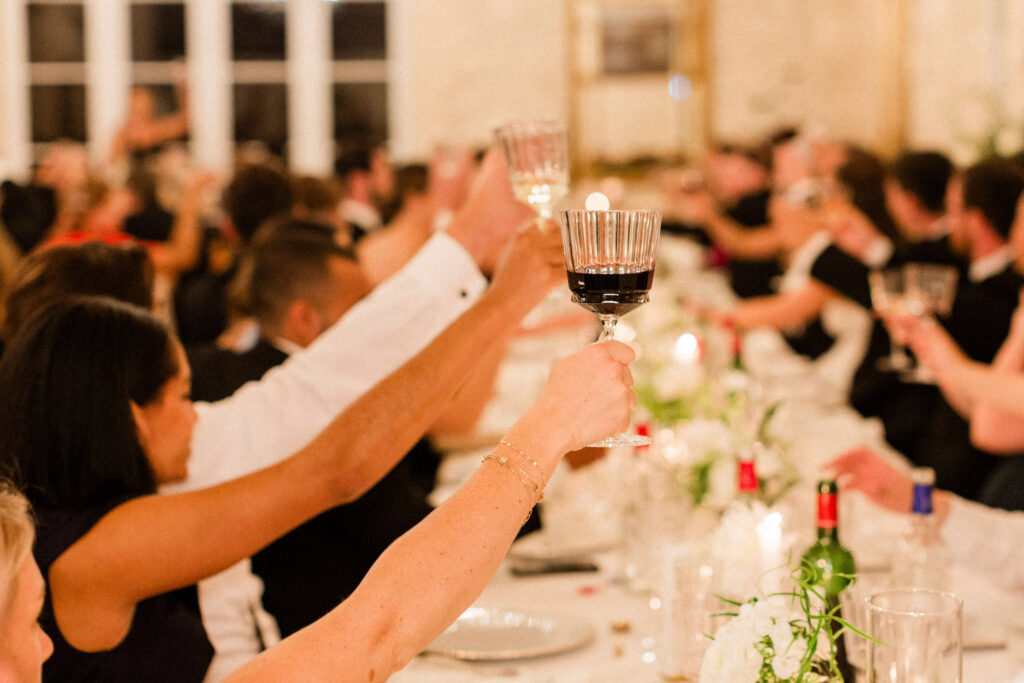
(266, 421)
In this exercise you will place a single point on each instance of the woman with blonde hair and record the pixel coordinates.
(23, 644)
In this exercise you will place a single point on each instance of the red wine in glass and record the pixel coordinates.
(613, 289)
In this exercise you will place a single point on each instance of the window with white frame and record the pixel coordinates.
(263, 95)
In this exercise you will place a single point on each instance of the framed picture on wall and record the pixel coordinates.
(636, 40)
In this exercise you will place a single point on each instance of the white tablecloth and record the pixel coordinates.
(614, 657)
(812, 418)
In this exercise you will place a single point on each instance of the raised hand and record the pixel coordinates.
(589, 394)
(531, 264)
(450, 176)
(491, 214)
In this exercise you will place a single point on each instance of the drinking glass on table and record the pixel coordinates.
(609, 258)
(919, 637)
(537, 151)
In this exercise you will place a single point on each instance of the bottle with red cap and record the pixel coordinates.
(748, 488)
(831, 565)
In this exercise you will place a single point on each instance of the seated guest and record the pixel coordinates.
(95, 413)
(364, 188)
(254, 194)
(988, 396)
(382, 253)
(45, 277)
(319, 201)
(915, 192)
(298, 283)
(806, 219)
(983, 539)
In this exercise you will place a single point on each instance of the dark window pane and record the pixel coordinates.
(257, 31)
(261, 113)
(165, 97)
(158, 32)
(359, 31)
(360, 114)
(58, 111)
(55, 33)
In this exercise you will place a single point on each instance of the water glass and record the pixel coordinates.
(853, 602)
(920, 636)
(688, 609)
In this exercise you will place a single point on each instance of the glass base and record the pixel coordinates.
(895, 363)
(917, 375)
(622, 440)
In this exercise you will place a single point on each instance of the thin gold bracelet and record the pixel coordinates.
(522, 476)
(521, 452)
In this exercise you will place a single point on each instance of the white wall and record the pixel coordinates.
(461, 66)
(471, 64)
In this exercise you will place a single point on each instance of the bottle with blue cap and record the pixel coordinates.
(922, 557)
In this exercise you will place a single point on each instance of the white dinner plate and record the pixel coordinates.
(484, 633)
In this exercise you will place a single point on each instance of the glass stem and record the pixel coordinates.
(608, 323)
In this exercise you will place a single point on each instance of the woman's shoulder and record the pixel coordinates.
(58, 528)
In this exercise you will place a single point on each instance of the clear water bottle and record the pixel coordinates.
(922, 558)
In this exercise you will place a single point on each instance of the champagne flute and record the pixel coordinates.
(537, 151)
(609, 258)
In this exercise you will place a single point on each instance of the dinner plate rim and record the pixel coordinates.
(586, 637)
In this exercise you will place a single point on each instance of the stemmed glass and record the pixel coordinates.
(889, 299)
(930, 291)
(537, 151)
(609, 258)
(917, 289)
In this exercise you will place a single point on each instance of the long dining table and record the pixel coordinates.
(592, 509)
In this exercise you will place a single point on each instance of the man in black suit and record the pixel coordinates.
(297, 281)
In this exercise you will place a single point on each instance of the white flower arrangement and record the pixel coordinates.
(784, 637)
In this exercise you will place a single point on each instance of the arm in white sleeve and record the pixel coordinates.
(268, 420)
(986, 542)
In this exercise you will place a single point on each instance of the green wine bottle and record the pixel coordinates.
(831, 565)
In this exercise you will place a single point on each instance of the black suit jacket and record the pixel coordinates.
(310, 570)
(307, 572)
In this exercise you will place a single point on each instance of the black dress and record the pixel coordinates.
(166, 641)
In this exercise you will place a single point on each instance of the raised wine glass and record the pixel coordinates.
(537, 151)
(889, 299)
(609, 257)
(930, 289)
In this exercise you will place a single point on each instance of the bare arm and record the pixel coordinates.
(97, 581)
(969, 385)
(783, 311)
(181, 252)
(994, 428)
(748, 243)
(463, 411)
(455, 550)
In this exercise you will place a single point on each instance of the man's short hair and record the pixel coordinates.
(924, 175)
(285, 261)
(993, 186)
(255, 194)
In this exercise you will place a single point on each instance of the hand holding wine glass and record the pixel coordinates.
(610, 259)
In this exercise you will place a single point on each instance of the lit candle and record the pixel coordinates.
(687, 350)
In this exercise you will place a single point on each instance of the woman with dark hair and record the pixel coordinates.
(123, 272)
(95, 413)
